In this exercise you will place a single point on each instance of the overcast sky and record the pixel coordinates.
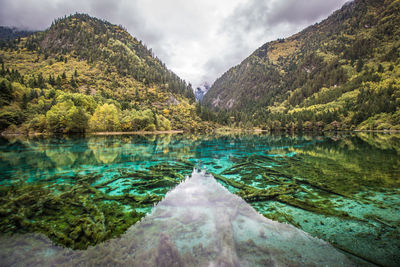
(198, 39)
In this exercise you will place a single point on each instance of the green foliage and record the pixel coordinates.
(104, 119)
(10, 115)
(163, 123)
(88, 103)
(65, 117)
(39, 123)
(146, 120)
(5, 93)
(382, 121)
(142, 120)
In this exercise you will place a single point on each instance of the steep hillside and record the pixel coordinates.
(85, 74)
(341, 73)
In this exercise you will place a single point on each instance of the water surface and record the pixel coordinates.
(82, 191)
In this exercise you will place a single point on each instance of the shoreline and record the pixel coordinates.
(216, 131)
(93, 133)
(136, 132)
(377, 131)
(331, 131)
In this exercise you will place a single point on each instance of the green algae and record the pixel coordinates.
(83, 214)
(76, 217)
(286, 193)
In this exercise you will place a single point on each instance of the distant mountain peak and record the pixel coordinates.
(201, 91)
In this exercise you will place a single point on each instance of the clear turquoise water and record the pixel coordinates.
(344, 188)
(198, 223)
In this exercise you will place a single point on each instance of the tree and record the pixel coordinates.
(360, 65)
(380, 68)
(10, 115)
(24, 102)
(40, 81)
(73, 83)
(5, 93)
(143, 120)
(163, 123)
(65, 117)
(105, 118)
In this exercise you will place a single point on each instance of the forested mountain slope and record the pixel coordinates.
(343, 72)
(85, 74)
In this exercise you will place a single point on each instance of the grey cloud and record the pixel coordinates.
(105, 8)
(309, 11)
(33, 15)
(200, 40)
(267, 15)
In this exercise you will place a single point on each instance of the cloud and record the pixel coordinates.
(199, 40)
(272, 13)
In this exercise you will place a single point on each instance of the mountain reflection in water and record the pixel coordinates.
(199, 223)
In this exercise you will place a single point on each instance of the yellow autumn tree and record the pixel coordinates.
(105, 118)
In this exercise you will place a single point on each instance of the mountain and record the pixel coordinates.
(11, 33)
(341, 73)
(85, 74)
(9, 36)
(201, 91)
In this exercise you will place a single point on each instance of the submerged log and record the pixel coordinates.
(319, 187)
(231, 182)
(308, 206)
(106, 183)
(235, 169)
(186, 162)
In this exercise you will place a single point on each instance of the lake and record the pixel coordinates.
(86, 193)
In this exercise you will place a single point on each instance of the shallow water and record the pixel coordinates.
(83, 191)
(198, 223)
